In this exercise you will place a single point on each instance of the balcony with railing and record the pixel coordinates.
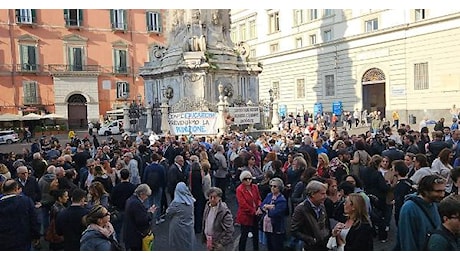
(26, 20)
(73, 23)
(119, 26)
(74, 69)
(29, 68)
(32, 100)
(121, 70)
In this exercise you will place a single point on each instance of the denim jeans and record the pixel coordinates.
(155, 199)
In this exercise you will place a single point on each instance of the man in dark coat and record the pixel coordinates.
(154, 176)
(69, 222)
(19, 228)
(80, 157)
(137, 218)
(119, 195)
(176, 174)
(392, 152)
(28, 184)
(310, 222)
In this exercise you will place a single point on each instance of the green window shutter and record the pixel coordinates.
(34, 15)
(125, 19)
(26, 89)
(66, 16)
(32, 59)
(18, 14)
(115, 60)
(80, 17)
(147, 20)
(112, 20)
(127, 88)
(160, 24)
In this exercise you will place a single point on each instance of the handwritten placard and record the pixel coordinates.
(197, 123)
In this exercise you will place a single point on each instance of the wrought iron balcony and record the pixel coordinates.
(27, 19)
(73, 22)
(119, 26)
(29, 68)
(75, 69)
(31, 100)
(121, 70)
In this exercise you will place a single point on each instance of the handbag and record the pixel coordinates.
(51, 235)
(147, 242)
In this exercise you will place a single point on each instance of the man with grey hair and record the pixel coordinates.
(220, 175)
(38, 165)
(310, 222)
(133, 168)
(137, 218)
(47, 200)
(175, 175)
(307, 147)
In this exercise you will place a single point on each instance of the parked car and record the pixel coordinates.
(111, 128)
(8, 137)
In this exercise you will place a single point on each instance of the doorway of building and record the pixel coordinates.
(77, 112)
(374, 96)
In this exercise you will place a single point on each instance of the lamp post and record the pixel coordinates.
(250, 126)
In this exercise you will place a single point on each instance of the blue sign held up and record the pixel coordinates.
(337, 108)
(317, 109)
(282, 110)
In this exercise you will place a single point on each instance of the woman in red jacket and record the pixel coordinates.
(248, 197)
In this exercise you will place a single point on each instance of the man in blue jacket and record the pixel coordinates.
(19, 227)
(419, 214)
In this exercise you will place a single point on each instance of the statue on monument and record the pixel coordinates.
(200, 29)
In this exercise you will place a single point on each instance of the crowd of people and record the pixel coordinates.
(304, 187)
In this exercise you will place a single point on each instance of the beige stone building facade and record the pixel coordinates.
(376, 59)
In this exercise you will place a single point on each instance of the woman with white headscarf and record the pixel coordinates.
(180, 212)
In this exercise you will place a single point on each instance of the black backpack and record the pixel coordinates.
(213, 162)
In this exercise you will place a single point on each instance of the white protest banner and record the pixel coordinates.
(197, 123)
(245, 115)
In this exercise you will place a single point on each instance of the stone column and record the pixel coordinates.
(126, 123)
(149, 119)
(275, 117)
(164, 117)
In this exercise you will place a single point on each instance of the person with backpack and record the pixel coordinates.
(446, 236)
(404, 186)
(419, 214)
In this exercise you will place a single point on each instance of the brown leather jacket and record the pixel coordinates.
(313, 231)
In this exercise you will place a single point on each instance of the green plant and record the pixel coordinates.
(208, 57)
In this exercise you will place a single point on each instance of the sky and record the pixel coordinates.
(190, 4)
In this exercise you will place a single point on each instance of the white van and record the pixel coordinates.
(111, 128)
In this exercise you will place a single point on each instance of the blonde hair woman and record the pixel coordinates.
(323, 165)
(356, 233)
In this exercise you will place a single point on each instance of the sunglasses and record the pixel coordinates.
(106, 214)
(439, 181)
(247, 179)
(273, 186)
